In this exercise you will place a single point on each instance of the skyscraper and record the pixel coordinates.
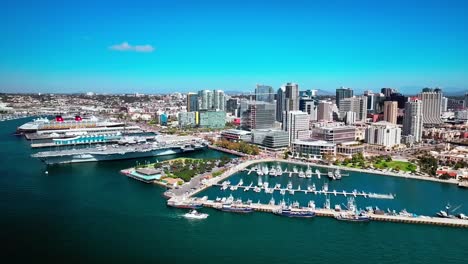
(205, 100)
(192, 102)
(291, 97)
(324, 111)
(387, 91)
(259, 115)
(211, 100)
(444, 104)
(342, 93)
(354, 104)
(296, 123)
(232, 105)
(280, 103)
(264, 93)
(219, 100)
(432, 101)
(310, 107)
(390, 111)
(413, 119)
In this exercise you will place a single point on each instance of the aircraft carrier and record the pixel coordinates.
(163, 145)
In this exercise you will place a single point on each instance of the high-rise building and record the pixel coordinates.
(350, 118)
(205, 100)
(413, 119)
(383, 134)
(342, 93)
(432, 100)
(310, 106)
(280, 103)
(219, 100)
(259, 115)
(398, 97)
(232, 105)
(192, 102)
(444, 104)
(370, 100)
(291, 97)
(296, 123)
(354, 104)
(264, 93)
(387, 91)
(324, 111)
(211, 100)
(390, 111)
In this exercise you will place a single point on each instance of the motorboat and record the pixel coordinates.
(194, 214)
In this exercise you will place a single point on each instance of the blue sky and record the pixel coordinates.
(168, 46)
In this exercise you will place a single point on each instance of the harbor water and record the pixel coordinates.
(91, 213)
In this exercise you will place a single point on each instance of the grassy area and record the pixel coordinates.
(395, 165)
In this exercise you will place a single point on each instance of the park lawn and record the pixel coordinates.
(402, 165)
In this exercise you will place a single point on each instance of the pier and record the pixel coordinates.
(269, 208)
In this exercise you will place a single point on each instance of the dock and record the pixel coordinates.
(306, 191)
(322, 212)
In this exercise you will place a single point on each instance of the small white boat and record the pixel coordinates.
(301, 174)
(308, 172)
(318, 173)
(283, 192)
(195, 215)
(289, 186)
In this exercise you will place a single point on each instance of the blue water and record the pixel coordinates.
(89, 213)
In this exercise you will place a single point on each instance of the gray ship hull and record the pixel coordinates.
(97, 156)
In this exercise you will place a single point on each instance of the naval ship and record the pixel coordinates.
(132, 149)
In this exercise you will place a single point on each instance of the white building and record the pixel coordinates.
(350, 117)
(354, 104)
(383, 134)
(432, 104)
(296, 123)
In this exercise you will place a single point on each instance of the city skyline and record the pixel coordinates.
(163, 47)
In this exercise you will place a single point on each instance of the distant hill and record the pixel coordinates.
(323, 92)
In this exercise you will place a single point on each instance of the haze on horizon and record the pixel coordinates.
(169, 46)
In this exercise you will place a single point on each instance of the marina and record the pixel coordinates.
(326, 212)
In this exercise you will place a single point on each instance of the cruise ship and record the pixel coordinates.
(60, 123)
(163, 145)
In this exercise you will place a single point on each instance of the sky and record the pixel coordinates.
(180, 46)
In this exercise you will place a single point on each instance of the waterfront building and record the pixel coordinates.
(313, 148)
(310, 106)
(280, 103)
(237, 135)
(383, 134)
(354, 104)
(187, 119)
(271, 139)
(192, 102)
(390, 111)
(296, 123)
(413, 120)
(259, 115)
(350, 148)
(342, 93)
(232, 106)
(432, 100)
(461, 115)
(324, 111)
(264, 93)
(334, 134)
(212, 119)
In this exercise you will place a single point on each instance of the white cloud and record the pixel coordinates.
(124, 46)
